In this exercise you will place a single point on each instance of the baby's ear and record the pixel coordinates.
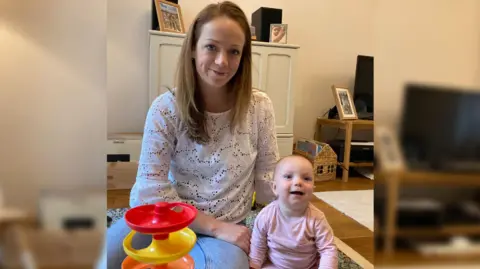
(274, 187)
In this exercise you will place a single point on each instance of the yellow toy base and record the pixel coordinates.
(185, 262)
(177, 245)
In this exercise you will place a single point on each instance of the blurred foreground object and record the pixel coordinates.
(78, 249)
(427, 193)
(71, 209)
(11, 224)
(27, 246)
(67, 233)
(440, 130)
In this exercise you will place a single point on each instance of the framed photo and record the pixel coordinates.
(387, 149)
(344, 102)
(252, 32)
(169, 17)
(278, 33)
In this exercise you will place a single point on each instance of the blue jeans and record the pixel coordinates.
(208, 252)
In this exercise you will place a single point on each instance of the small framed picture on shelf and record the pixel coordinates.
(344, 103)
(278, 33)
(169, 17)
(252, 32)
(388, 150)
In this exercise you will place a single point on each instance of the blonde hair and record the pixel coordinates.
(188, 97)
(294, 155)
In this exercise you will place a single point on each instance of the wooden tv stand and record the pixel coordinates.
(349, 126)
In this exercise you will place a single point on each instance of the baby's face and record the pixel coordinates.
(294, 182)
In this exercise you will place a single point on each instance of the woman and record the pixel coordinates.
(210, 142)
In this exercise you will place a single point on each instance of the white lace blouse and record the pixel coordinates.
(218, 178)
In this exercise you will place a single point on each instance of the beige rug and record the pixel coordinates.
(358, 205)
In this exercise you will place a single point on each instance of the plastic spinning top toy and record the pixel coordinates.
(172, 240)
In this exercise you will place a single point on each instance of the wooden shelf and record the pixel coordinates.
(454, 229)
(124, 136)
(367, 164)
(356, 124)
(431, 178)
(349, 126)
(410, 257)
(440, 178)
(12, 215)
(394, 181)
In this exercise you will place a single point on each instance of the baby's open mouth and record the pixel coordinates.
(297, 193)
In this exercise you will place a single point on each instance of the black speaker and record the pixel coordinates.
(363, 88)
(261, 20)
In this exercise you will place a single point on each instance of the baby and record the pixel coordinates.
(290, 232)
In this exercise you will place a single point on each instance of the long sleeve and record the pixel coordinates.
(152, 184)
(325, 242)
(258, 241)
(268, 155)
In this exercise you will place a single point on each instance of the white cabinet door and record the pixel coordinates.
(285, 145)
(257, 65)
(272, 70)
(164, 53)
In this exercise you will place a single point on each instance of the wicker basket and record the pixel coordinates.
(322, 156)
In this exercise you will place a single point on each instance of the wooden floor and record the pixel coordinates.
(355, 235)
(353, 184)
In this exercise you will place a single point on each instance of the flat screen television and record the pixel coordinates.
(363, 88)
(440, 128)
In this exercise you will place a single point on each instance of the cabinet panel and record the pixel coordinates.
(285, 145)
(279, 88)
(256, 69)
(164, 54)
(276, 77)
(272, 72)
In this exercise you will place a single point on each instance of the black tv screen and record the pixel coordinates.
(363, 88)
(440, 128)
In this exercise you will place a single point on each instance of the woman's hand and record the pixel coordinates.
(232, 233)
(236, 234)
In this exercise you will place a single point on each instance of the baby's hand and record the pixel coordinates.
(235, 234)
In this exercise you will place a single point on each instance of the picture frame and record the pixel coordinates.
(278, 33)
(252, 33)
(169, 16)
(387, 150)
(344, 103)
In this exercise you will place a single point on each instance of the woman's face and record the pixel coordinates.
(218, 52)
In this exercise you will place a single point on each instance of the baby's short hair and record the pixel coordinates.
(293, 155)
(288, 157)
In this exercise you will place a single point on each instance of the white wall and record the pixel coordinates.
(53, 97)
(127, 64)
(428, 41)
(330, 33)
(53, 71)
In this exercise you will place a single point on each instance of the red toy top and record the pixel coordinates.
(161, 218)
